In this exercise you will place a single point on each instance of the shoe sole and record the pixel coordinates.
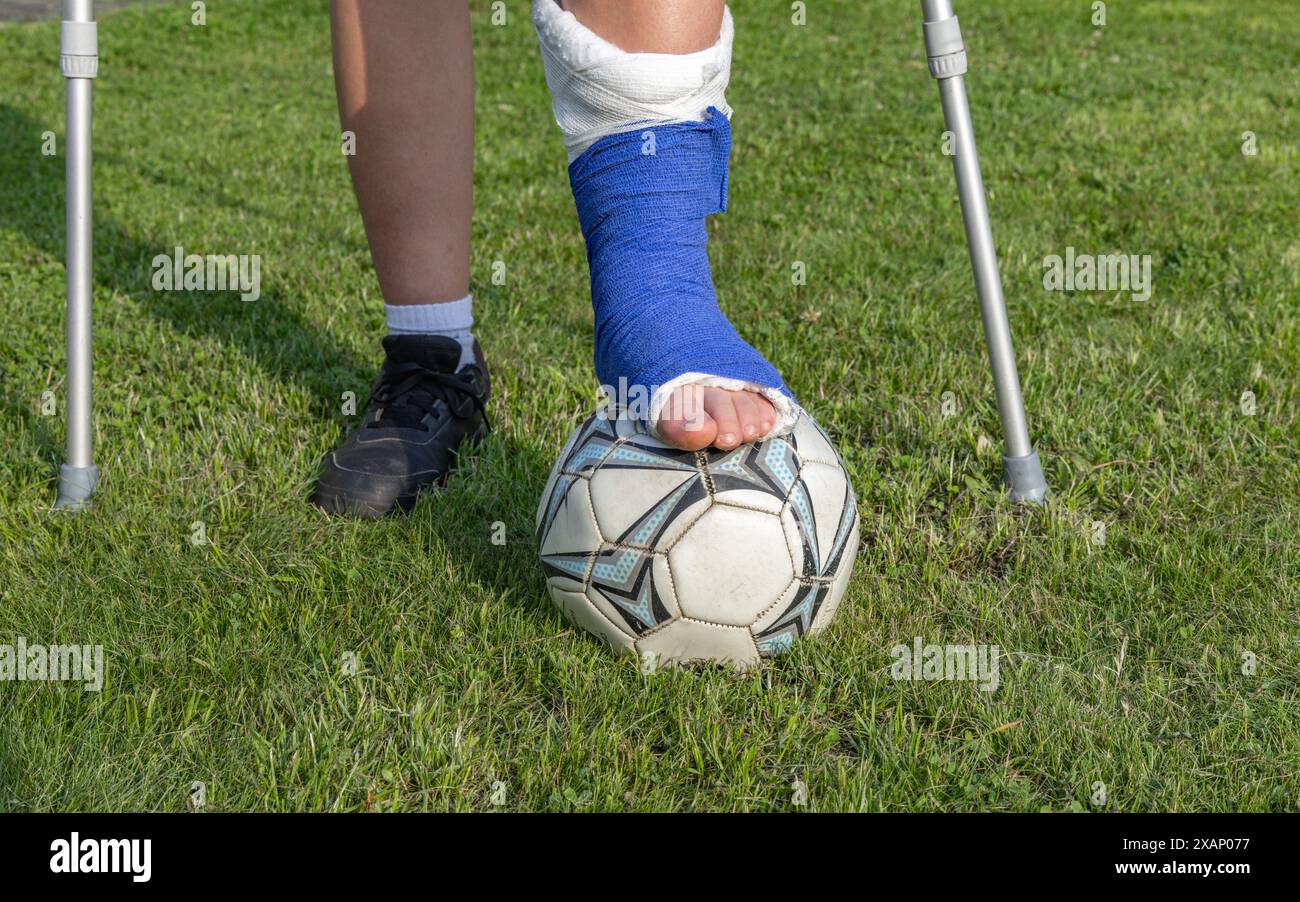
(337, 501)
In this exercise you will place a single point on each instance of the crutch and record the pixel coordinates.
(79, 63)
(1022, 471)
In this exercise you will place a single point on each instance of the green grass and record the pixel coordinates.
(1123, 661)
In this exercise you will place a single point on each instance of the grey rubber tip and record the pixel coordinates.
(1024, 478)
(76, 485)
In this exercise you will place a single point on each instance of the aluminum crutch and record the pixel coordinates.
(1021, 468)
(79, 63)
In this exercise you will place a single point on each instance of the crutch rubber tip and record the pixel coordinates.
(76, 485)
(1024, 478)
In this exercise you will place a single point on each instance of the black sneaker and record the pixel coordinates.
(421, 410)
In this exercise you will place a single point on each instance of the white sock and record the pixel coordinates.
(454, 319)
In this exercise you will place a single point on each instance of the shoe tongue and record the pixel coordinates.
(438, 353)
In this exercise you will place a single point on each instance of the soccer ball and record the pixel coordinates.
(697, 555)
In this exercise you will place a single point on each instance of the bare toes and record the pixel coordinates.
(756, 415)
(684, 421)
(720, 405)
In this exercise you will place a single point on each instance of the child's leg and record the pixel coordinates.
(404, 73)
(638, 92)
(405, 78)
(652, 26)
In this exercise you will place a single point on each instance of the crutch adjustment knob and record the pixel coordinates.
(945, 48)
(78, 49)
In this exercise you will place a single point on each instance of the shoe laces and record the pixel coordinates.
(407, 392)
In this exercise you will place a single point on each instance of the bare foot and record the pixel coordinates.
(696, 417)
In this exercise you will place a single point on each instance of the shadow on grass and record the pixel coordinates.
(269, 331)
(488, 503)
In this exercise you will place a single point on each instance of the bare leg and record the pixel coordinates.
(404, 73)
(681, 26)
(652, 26)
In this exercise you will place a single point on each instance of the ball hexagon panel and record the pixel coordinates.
(633, 588)
(594, 439)
(843, 573)
(754, 476)
(570, 536)
(578, 609)
(827, 492)
(650, 509)
(812, 442)
(556, 473)
(690, 640)
(730, 566)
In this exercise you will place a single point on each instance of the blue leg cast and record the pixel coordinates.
(643, 197)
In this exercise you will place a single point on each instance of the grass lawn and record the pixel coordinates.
(1147, 617)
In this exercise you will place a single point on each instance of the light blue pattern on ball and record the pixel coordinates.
(651, 524)
(777, 461)
(558, 495)
(576, 567)
(799, 498)
(587, 453)
(629, 454)
(618, 571)
(777, 644)
(641, 609)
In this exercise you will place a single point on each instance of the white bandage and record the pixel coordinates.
(598, 89)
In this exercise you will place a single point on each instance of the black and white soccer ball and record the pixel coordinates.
(712, 555)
